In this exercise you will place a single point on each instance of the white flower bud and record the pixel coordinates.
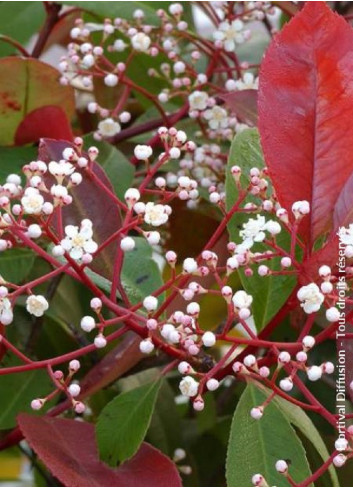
(143, 152)
(150, 303)
(88, 324)
(281, 466)
(127, 244)
(185, 368)
(286, 384)
(212, 384)
(146, 346)
(314, 373)
(189, 265)
(193, 309)
(308, 342)
(74, 365)
(326, 287)
(257, 412)
(100, 341)
(37, 404)
(96, 304)
(74, 390)
(263, 270)
(111, 80)
(153, 237)
(339, 460)
(286, 262)
(132, 195)
(250, 361)
(34, 231)
(198, 404)
(209, 339)
(324, 271)
(332, 314)
(341, 444)
(301, 356)
(284, 357)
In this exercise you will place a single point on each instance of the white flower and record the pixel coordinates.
(32, 201)
(6, 314)
(310, 297)
(247, 82)
(59, 191)
(198, 100)
(78, 242)
(242, 300)
(188, 386)
(142, 152)
(61, 169)
(217, 117)
(141, 42)
(253, 231)
(155, 214)
(36, 305)
(230, 34)
(108, 127)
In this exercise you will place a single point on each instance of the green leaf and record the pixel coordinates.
(140, 273)
(122, 10)
(18, 390)
(164, 431)
(117, 167)
(12, 159)
(16, 263)
(246, 152)
(19, 20)
(123, 423)
(256, 445)
(270, 293)
(165, 428)
(298, 418)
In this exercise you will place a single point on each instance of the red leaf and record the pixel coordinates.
(115, 364)
(243, 104)
(89, 201)
(47, 122)
(343, 212)
(305, 112)
(68, 449)
(327, 255)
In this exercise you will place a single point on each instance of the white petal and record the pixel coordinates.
(66, 244)
(90, 246)
(71, 231)
(76, 253)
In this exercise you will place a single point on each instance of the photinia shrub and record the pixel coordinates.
(176, 243)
